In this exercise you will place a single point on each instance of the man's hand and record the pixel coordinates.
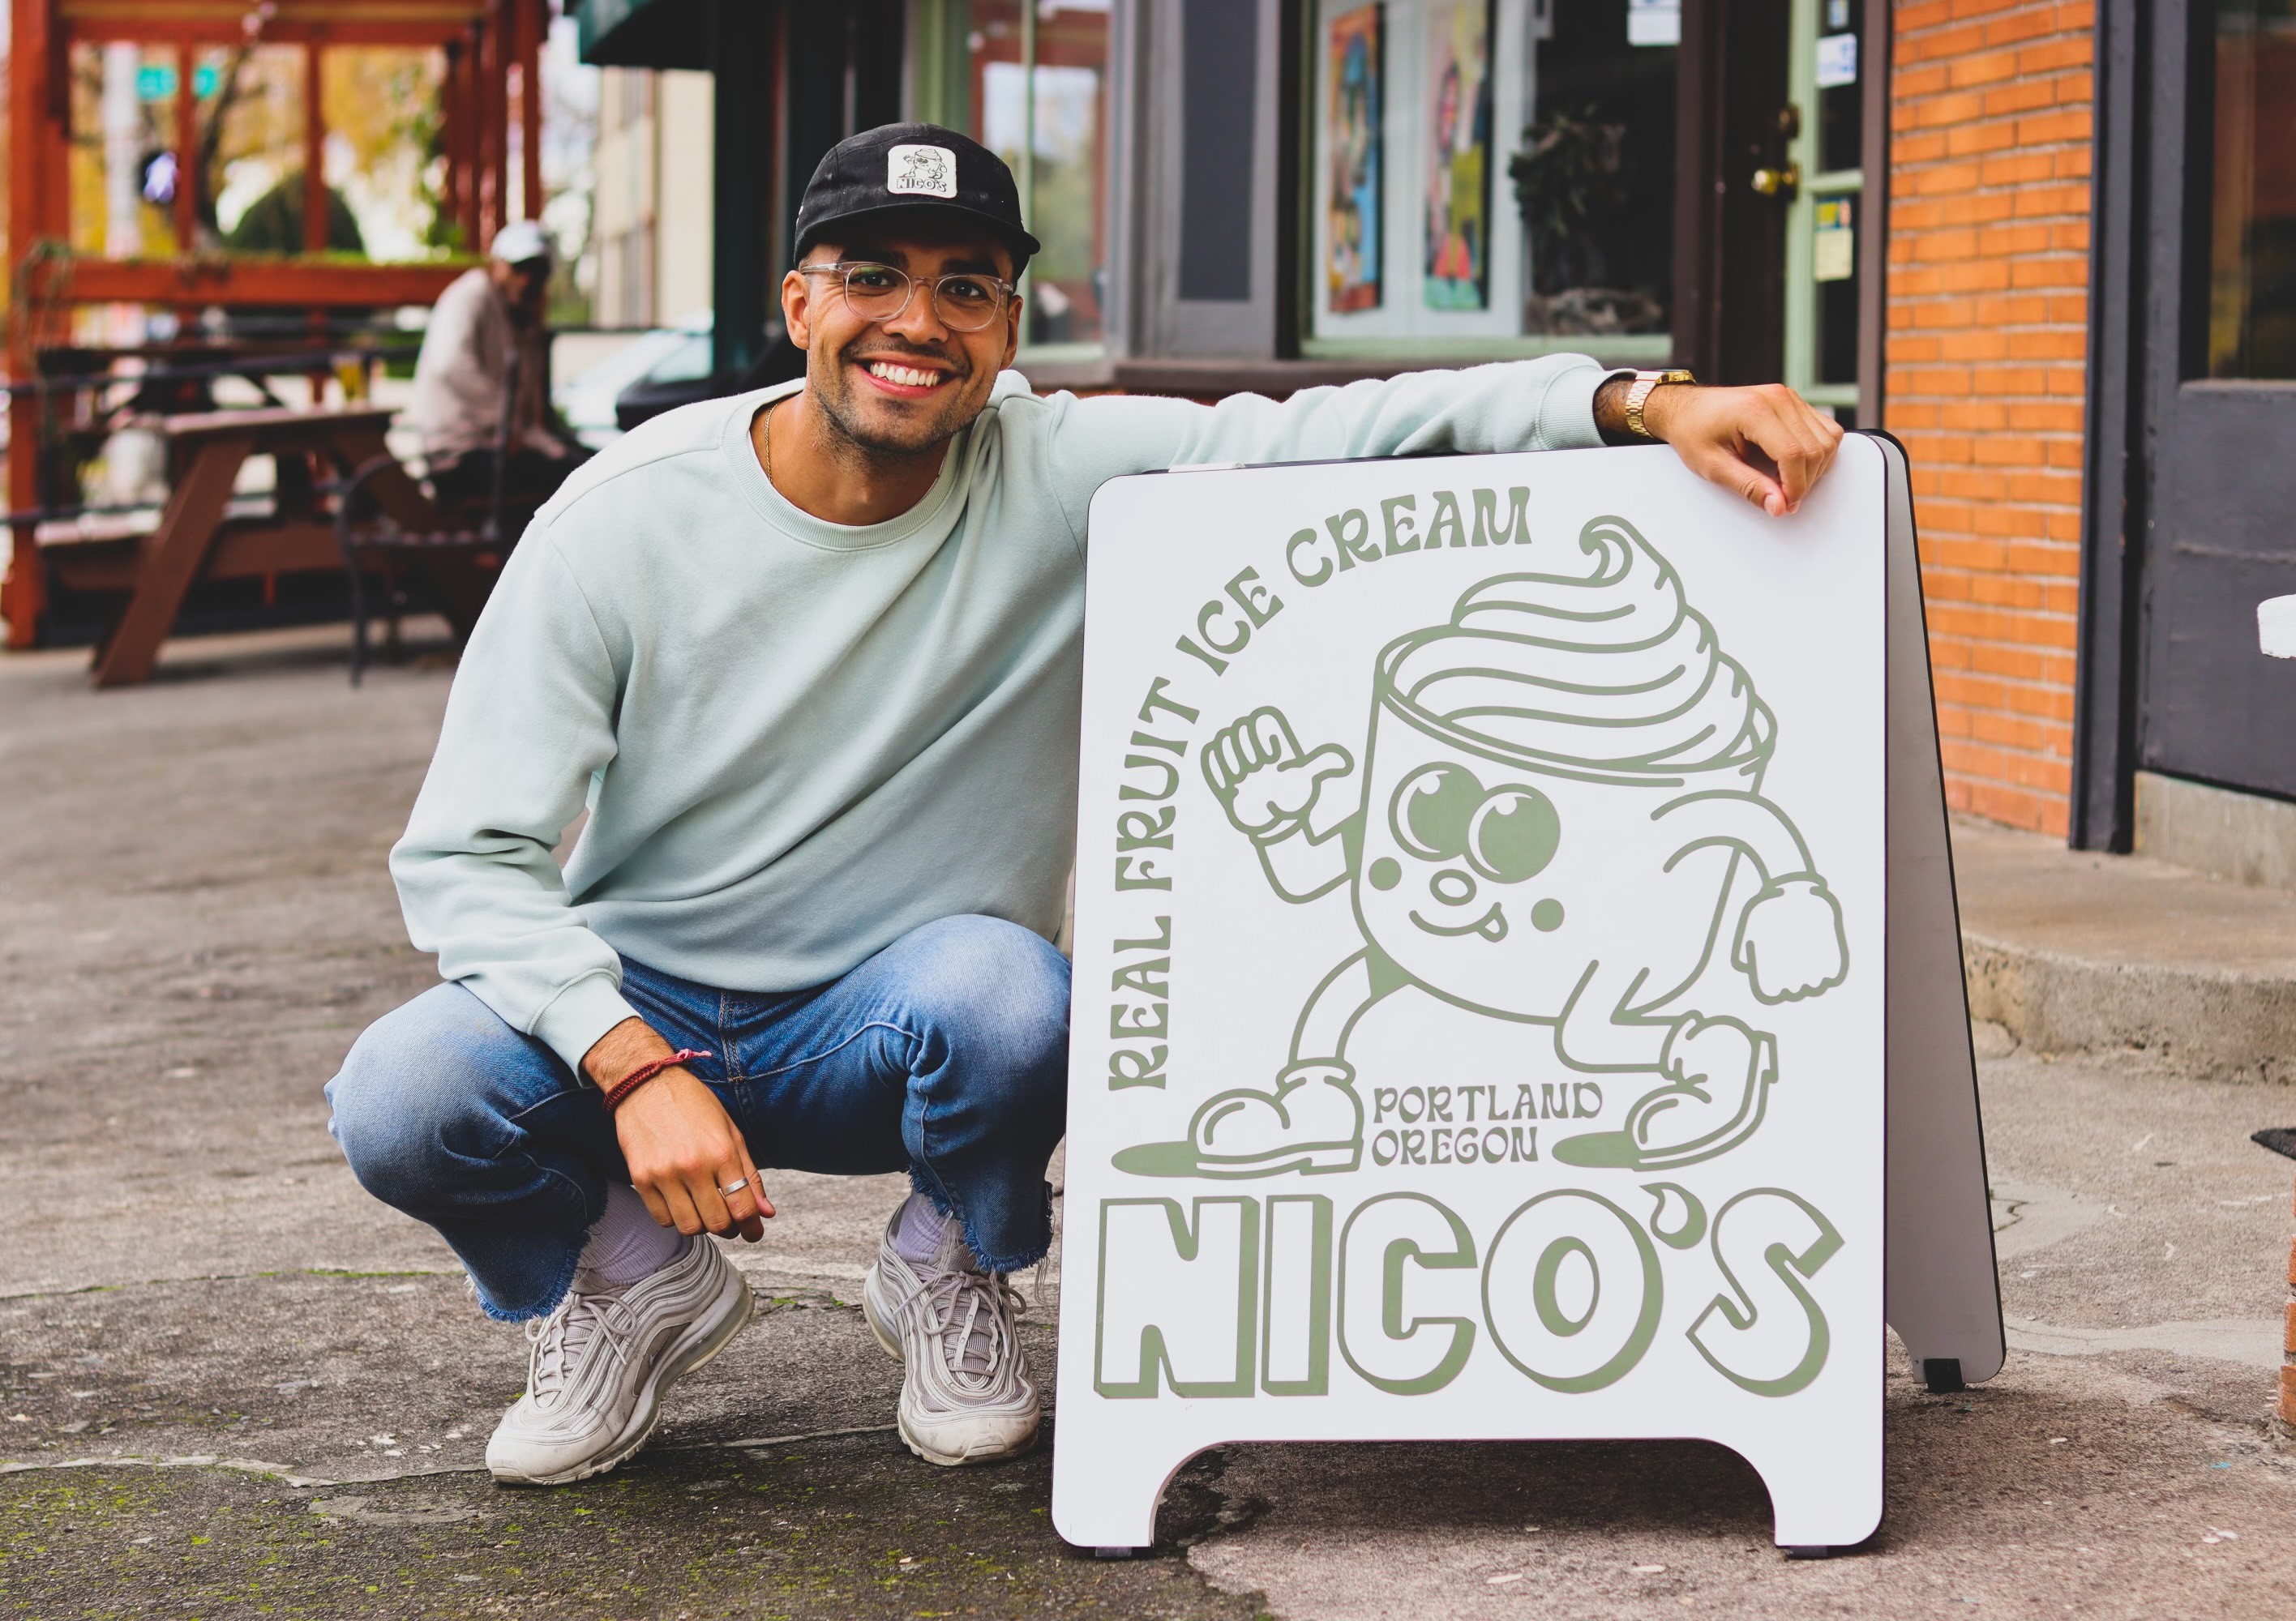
(1768, 444)
(680, 1144)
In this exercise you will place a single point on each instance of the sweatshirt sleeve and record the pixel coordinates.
(531, 719)
(1546, 404)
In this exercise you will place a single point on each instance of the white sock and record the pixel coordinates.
(924, 1232)
(628, 1244)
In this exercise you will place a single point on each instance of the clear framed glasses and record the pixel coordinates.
(962, 301)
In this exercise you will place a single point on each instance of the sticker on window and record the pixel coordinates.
(1834, 258)
(1837, 60)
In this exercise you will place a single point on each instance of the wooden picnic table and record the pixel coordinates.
(193, 539)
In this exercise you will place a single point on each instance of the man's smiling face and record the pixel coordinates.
(903, 385)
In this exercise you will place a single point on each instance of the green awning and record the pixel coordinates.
(644, 33)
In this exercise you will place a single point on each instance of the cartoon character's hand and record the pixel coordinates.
(1790, 941)
(1266, 784)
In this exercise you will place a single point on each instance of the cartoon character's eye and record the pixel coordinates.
(1431, 810)
(1512, 834)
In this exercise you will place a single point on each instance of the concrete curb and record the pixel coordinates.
(2211, 1021)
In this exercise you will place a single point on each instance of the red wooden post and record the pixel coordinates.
(529, 103)
(23, 593)
(315, 151)
(494, 123)
(187, 151)
(468, 103)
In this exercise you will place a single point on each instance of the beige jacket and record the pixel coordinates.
(465, 365)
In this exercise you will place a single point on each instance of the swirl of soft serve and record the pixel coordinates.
(1609, 670)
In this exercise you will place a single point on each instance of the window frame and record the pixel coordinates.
(941, 91)
(1408, 330)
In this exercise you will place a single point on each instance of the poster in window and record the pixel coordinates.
(1352, 139)
(1458, 154)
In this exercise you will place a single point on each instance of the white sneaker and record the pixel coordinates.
(966, 1397)
(597, 1368)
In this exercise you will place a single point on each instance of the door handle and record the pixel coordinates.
(1783, 182)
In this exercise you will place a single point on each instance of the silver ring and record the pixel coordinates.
(732, 1188)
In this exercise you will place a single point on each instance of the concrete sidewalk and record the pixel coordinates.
(230, 1382)
(2071, 951)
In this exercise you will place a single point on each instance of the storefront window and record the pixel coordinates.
(380, 104)
(1836, 202)
(1038, 74)
(1493, 169)
(2252, 235)
(250, 152)
(123, 179)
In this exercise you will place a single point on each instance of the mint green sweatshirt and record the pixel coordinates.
(797, 741)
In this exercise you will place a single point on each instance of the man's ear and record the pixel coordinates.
(797, 308)
(1012, 334)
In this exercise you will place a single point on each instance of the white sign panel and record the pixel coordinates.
(1480, 972)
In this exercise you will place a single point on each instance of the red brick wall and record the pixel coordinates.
(1986, 335)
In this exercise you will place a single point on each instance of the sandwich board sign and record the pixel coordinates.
(1515, 955)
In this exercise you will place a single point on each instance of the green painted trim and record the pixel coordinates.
(1801, 214)
(939, 92)
(1628, 348)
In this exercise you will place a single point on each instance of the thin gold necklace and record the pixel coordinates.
(769, 420)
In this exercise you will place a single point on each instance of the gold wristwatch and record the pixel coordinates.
(1638, 395)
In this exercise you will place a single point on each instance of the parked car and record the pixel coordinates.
(659, 390)
(669, 354)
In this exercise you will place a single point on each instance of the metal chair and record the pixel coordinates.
(463, 541)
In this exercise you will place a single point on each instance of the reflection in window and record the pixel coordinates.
(244, 178)
(122, 167)
(2252, 235)
(1039, 102)
(1841, 97)
(248, 155)
(1595, 178)
(1833, 266)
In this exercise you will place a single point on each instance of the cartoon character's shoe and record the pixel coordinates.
(1311, 1123)
(1722, 1073)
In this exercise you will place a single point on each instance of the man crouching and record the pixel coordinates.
(809, 658)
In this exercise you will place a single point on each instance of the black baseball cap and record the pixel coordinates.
(896, 168)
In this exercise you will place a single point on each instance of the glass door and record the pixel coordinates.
(1825, 125)
(2220, 394)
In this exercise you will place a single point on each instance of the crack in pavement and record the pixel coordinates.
(289, 1477)
(230, 1277)
(2252, 1342)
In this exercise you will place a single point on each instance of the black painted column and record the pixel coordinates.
(742, 61)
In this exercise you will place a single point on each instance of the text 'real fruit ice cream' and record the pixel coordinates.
(1606, 671)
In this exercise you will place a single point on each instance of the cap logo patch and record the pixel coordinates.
(921, 171)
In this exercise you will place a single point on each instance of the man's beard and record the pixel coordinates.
(911, 438)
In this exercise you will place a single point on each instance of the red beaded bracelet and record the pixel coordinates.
(644, 1073)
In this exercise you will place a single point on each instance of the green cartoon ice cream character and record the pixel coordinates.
(1561, 786)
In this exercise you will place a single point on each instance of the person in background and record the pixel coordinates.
(485, 363)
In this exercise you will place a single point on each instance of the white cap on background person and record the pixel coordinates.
(520, 241)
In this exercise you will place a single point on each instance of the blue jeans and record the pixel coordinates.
(945, 1055)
